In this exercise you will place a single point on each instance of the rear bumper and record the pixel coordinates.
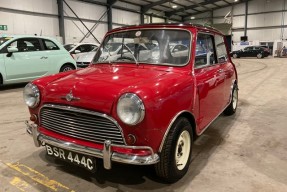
(106, 154)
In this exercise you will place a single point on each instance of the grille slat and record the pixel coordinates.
(81, 125)
(70, 128)
(88, 119)
(87, 136)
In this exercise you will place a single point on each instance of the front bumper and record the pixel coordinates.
(106, 154)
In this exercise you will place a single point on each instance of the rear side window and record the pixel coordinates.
(220, 49)
(204, 55)
(50, 45)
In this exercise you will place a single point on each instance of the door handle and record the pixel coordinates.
(44, 57)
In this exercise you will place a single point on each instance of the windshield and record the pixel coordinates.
(4, 39)
(69, 47)
(156, 46)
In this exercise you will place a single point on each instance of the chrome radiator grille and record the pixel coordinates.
(80, 124)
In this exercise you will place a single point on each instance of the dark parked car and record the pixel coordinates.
(251, 51)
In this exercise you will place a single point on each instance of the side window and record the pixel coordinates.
(204, 55)
(84, 48)
(27, 45)
(50, 45)
(220, 49)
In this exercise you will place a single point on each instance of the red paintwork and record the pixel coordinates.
(166, 91)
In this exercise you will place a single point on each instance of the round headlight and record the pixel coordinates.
(130, 109)
(31, 95)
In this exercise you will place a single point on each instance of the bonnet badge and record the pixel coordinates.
(70, 97)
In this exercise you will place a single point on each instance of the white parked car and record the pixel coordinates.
(77, 49)
(85, 59)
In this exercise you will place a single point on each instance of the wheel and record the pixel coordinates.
(175, 156)
(235, 56)
(67, 67)
(231, 108)
(259, 56)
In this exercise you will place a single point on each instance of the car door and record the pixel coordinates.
(226, 67)
(27, 63)
(210, 81)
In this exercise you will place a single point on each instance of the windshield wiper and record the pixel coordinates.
(137, 63)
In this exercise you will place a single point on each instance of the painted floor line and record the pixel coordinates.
(20, 184)
(38, 177)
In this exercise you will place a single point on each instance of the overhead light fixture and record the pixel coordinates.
(192, 17)
(235, 0)
(174, 6)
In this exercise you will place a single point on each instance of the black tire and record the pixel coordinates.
(260, 56)
(67, 67)
(167, 169)
(1, 79)
(231, 108)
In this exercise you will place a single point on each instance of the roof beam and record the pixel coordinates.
(191, 7)
(149, 6)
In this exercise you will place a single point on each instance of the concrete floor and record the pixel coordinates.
(246, 152)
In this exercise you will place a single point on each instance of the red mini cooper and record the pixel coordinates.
(143, 104)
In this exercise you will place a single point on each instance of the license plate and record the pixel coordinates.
(78, 159)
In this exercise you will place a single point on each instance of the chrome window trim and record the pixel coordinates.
(80, 110)
(157, 28)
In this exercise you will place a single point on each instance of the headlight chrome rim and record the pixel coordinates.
(36, 95)
(136, 101)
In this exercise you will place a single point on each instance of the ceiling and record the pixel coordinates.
(180, 9)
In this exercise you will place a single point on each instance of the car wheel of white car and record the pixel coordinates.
(231, 109)
(175, 156)
(235, 56)
(259, 55)
(67, 67)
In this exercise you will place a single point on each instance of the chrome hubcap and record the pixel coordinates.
(67, 69)
(182, 150)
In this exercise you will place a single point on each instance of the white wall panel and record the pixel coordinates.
(221, 12)
(238, 22)
(157, 20)
(85, 10)
(76, 33)
(42, 6)
(29, 24)
(256, 6)
(236, 35)
(125, 17)
(264, 35)
(239, 9)
(264, 20)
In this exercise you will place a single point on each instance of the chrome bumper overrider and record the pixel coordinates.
(106, 154)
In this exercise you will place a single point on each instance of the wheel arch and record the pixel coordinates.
(188, 115)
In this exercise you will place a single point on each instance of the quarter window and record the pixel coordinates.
(221, 49)
(49, 45)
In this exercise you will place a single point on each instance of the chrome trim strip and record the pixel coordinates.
(79, 110)
(169, 127)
